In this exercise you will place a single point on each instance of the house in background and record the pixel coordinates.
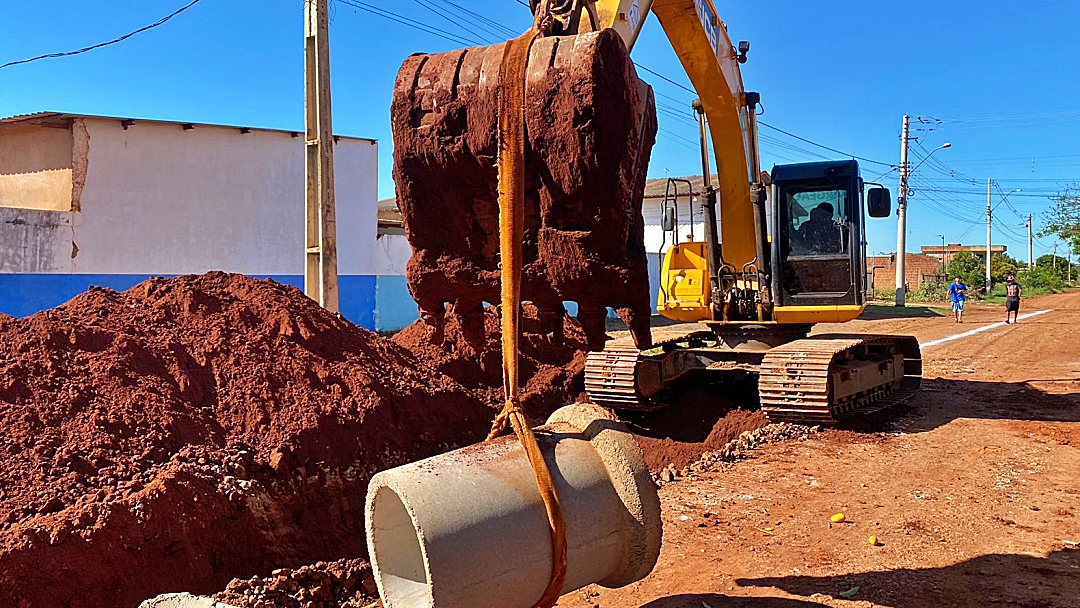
(947, 253)
(109, 201)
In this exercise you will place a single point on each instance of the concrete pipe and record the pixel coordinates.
(468, 529)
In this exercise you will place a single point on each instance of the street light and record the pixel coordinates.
(927, 157)
(989, 223)
(901, 212)
(944, 259)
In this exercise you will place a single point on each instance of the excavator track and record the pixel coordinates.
(616, 378)
(823, 379)
(817, 380)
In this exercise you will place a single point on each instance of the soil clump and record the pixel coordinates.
(345, 582)
(552, 367)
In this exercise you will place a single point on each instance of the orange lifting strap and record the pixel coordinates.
(511, 164)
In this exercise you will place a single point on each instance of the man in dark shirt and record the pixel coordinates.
(1012, 298)
(820, 233)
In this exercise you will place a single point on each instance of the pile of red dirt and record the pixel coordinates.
(665, 452)
(196, 429)
(703, 418)
(553, 370)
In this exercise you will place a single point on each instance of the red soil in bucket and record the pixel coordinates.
(192, 430)
(552, 370)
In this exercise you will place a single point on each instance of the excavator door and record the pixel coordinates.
(819, 235)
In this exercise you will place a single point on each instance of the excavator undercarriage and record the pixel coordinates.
(809, 380)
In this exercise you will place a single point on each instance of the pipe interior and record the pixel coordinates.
(397, 554)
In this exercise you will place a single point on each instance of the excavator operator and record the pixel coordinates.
(819, 233)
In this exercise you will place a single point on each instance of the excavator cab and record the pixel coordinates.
(818, 229)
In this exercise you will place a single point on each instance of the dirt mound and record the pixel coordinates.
(553, 370)
(663, 452)
(192, 430)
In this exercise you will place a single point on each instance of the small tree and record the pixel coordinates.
(1000, 267)
(1059, 268)
(968, 267)
(1063, 219)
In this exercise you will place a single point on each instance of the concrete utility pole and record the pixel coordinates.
(1055, 257)
(944, 262)
(320, 272)
(901, 216)
(1031, 260)
(989, 221)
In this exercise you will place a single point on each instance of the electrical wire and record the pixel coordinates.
(157, 23)
(478, 41)
(392, 16)
(501, 30)
(814, 143)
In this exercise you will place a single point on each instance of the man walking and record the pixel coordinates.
(956, 294)
(1012, 298)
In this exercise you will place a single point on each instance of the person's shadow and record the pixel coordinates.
(717, 600)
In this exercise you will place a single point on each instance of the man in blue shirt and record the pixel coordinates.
(956, 294)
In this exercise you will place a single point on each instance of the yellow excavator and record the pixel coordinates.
(782, 251)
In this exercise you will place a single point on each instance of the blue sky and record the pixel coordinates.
(1000, 76)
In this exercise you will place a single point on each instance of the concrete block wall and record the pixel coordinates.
(916, 267)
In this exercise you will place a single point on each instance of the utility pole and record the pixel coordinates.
(320, 253)
(901, 215)
(989, 221)
(1031, 260)
(944, 261)
(1055, 257)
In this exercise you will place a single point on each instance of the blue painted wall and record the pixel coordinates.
(26, 294)
(394, 306)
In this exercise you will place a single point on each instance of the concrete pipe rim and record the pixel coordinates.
(397, 549)
(630, 477)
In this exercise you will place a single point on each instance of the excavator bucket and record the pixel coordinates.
(590, 124)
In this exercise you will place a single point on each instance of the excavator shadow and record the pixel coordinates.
(717, 600)
(999, 579)
(940, 401)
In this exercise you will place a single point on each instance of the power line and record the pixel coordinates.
(665, 78)
(392, 16)
(814, 143)
(103, 44)
(479, 41)
(505, 31)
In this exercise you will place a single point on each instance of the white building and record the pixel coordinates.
(95, 200)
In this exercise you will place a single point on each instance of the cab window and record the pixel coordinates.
(817, 222)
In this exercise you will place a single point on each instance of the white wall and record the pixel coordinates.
(391, 255)
(156, 199)
(159, 199)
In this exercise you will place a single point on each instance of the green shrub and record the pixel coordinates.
(930, 291)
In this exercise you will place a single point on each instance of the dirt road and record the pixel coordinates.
(971, 489)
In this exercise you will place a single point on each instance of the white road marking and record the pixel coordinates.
(981, 329)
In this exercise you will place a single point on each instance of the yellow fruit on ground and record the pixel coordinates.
(839, 517)
(873, 541)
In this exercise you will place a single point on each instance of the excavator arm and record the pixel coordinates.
(737, 257)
